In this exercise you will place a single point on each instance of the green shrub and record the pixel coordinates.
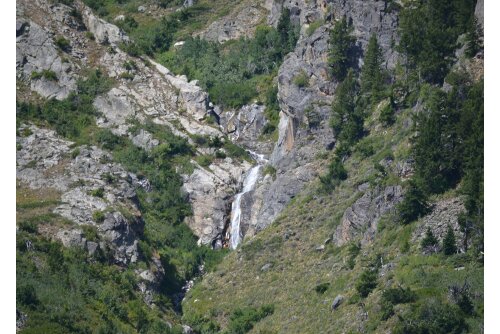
(204, 160)
(432, 317)
(46, 74)
(270, 170)
(336, 173)
(219, 154)
(235, 151)
(394, 296)
(321, 288)
(75, 153)
(301, 80)
(26, 295)
(353, 252)
(62, 43)
(313, 26)
(366, 282)
(90, 35)
(108, 140)
(243, 320)
(98, 216)
(28, 226)
(127, 76)
(90, 232)
(99, 192)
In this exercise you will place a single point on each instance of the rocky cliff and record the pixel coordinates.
(283, 215)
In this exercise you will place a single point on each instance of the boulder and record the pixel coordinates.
(103, 31)
(336, 302)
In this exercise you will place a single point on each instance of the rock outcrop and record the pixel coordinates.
(361, 219)
(444, 213)
(241, 22)
(45, 161)
(36, 57)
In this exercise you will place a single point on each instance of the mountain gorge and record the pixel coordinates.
(249, 166)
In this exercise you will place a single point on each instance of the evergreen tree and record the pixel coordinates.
(372, 81)
(449, 242)
(347, 120)
(472, 38)
(429, 239)
(414, 204)
(287, 32)
(341, 49)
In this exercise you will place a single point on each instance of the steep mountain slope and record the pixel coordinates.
(129, 131)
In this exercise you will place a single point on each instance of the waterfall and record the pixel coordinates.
(248, 185)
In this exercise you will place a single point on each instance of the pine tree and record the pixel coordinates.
(341, 48)
(372, 81)
(287, 32)
(414, 204)
(449, 242)
(429, 240)
(472, 38)
(346, 120)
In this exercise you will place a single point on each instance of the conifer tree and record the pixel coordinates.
(347, 120)
(414, 204)
(429, 239)
(341, 48)
(287, 32)
(449, 242)
(472, 38)
(372, 74)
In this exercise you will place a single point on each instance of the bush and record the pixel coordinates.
(394, 296)
(313, 26)
(243, 320)
(62, 43)
(336, 173)
(75, 153)
(269, 170)
(99, 192)
(204, 160)
(46, 74)
(98, 216)
(90, 35)
(26, 295)
(219, 154)
(301, 80)
(432, 317)
(366, 283)
(321, 288)
(28, 226)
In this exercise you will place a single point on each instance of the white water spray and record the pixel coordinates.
(248, 184)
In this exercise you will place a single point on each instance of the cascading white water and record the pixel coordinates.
(248, 184)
